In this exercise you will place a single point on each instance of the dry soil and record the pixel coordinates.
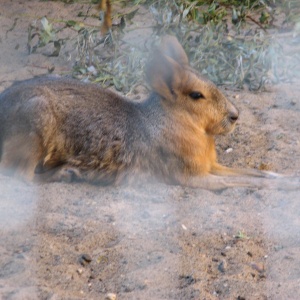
(152, 241)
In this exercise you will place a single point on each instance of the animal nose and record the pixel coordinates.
(233, 116)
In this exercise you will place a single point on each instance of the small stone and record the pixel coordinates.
(259, 267)
(92, 70)
(222, 266)
(84, 259)
(111, 296)
(79, 271)
(249, 253)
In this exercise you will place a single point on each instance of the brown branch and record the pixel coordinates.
(258, 24)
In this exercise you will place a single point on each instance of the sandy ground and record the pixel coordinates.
(152, 241)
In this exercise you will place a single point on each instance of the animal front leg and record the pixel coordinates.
(214, 182)
(220, 170)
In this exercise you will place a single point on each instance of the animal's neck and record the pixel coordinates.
(151, 106)
(152, 114)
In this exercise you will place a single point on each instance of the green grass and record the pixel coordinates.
(233, 42)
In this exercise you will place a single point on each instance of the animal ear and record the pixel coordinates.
(170, 47)
(164, 75)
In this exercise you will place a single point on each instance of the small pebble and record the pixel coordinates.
(79, 271)
(84, 259)
(222, 266)
(249, 253)
(92, 70)
(229, 150)
(259, 267)
(110, 296)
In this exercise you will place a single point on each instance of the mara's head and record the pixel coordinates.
(186, 92)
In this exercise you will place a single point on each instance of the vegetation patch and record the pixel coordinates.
(233, 42)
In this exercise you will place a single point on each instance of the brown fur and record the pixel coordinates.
(54, 128)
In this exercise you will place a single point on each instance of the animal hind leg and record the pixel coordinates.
(20, 155)
(61, 173)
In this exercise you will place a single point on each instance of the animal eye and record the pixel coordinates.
(196, 95)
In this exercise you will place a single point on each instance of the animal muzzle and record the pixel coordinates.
(229, 121)
(233, 116)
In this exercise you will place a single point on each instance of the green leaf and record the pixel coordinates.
(71, 23)
(47, 27)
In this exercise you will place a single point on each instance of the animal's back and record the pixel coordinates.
(53, 121)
